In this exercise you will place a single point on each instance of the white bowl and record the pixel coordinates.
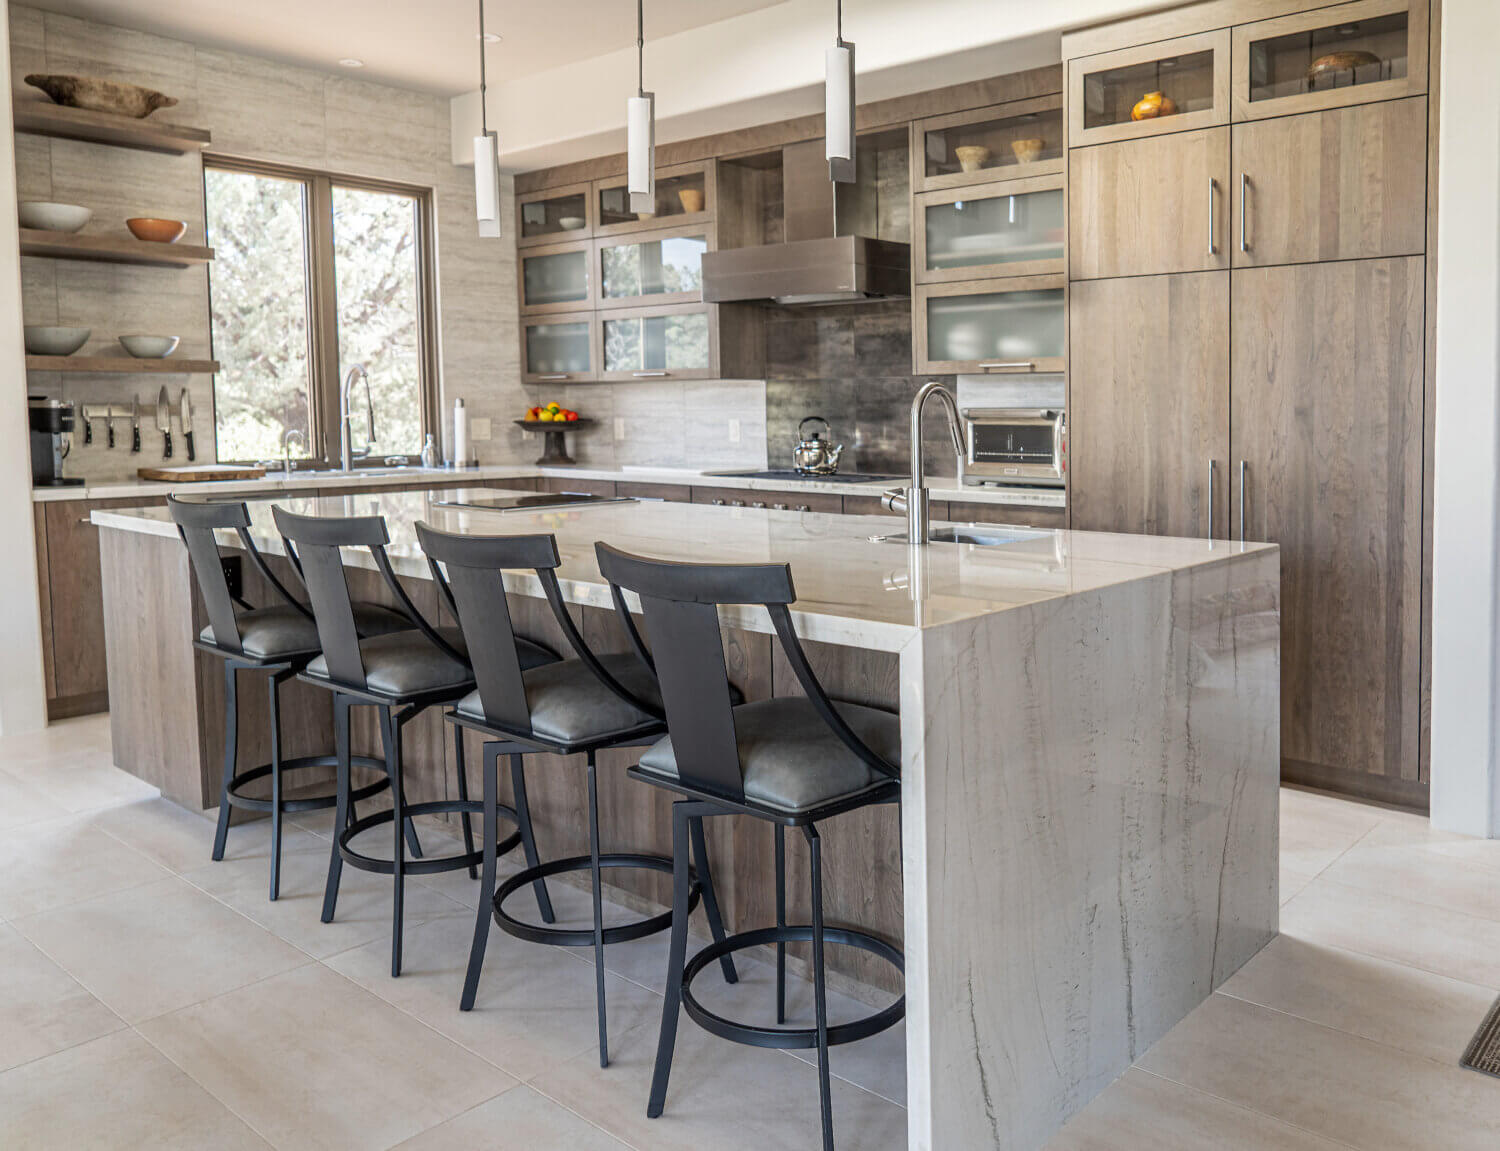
(50, 217)
(50, 341)
(570, 223)
(150, 347)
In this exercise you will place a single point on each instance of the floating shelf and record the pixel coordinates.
(112, 249)
(42, 119)
(120, 364)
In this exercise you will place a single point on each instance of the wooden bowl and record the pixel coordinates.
(1337, 62)
(1028, 151)
(691, 199)
(155, 230)
(972, 157)
(96, 94)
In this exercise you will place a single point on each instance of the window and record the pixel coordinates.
(313, 274)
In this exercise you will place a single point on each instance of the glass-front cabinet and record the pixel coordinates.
(1014, 228)
(1004, 142)
(553, 216)
(1170, 86)
(652, 269)
(1333, 57)
(1014, 325)
(558, 349)
(684, 198)
(556, 278)
(660, 343)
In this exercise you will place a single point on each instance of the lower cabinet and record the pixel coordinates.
(780, 501)
(569, 484)
(668, 493)
(1017, 515)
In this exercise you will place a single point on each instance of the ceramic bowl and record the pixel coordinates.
(570, 223)
(99, 95)
(45, 341)
(1028, 151)
(51, 217)
(149, 347)
(155, 230)
(972, 157)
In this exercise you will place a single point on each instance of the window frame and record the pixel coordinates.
(322, 305)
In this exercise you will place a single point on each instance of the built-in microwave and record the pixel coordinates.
(1015, 446)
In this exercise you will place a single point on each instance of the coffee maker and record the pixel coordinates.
(51, 440)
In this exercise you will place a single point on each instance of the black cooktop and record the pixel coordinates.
(790, 474)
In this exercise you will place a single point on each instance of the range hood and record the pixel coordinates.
(813, 265)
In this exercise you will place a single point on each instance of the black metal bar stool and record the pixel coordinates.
(584, 705)
(400, 674)
(278, 641)
(793, 761)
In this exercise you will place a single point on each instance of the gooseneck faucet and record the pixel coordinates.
(346, 455)
(914, 500)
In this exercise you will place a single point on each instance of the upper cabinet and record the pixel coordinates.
(553, 216)
(1014, 325)
(555, 278)
(1330, 58)
(685, 196)
(1005, 142)
(1013, 228)
(654, 268)
(1169, 86)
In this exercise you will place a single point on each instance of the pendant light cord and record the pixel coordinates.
(640, 46)
(484, 121)
(840, 32)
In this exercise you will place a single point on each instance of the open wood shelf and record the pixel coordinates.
(112, 249)
(120, 364)
(42, 119)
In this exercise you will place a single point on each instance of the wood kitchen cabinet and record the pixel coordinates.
(1339, 185)
(1149, 207)
(1148, 414)
(1327, 417)
(1190, 71)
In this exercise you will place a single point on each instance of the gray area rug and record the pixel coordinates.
(1484, 1049)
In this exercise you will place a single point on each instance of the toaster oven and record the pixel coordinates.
(1015, 446)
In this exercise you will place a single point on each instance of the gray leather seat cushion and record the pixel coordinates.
(792, 761)
(282, 630)
(570, 705)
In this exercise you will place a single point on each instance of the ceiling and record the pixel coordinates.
(424, 44)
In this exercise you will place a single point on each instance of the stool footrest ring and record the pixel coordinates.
(753, 1035)
(584, 936)
(309, 802)
(427, 865)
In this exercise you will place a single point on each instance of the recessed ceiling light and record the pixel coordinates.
(351, 62)
(488, 37)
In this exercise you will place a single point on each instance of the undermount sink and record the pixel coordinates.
(950, 534)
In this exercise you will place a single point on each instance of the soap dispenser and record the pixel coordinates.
(429, 453)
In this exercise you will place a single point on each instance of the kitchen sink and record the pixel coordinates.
(950, 534)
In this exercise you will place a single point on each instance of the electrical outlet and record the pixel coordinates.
(734, 431)
(479, 428)
(619, 427)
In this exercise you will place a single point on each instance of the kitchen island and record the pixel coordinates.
(1088, 839)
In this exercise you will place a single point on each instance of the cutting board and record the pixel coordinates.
(201, 473)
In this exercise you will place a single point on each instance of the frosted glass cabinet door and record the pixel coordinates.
(1016, 325)
(558, 350)
(662, 269)
(555, 278)
(656, 343)
(1014, 231)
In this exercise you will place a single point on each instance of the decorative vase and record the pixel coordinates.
(1028, 151)
(691, 199)
(972, 157)
(1152, 105)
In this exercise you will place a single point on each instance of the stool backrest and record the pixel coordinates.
(471, 578)
(680, 602)
(198, 518)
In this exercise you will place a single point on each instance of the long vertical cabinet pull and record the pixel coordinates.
(1244, 199)
(1213, 475)
(1213, 188)
(1244, 467)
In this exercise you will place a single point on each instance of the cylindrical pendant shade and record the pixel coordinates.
(838, 93)
(640, 124)
(487, 183)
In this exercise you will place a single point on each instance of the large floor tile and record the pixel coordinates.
(1421, 875)
(1445, 942)
(117, 1092)
(1333, 1084)
(43, 1009)
(519, 1119)
(1317, 829)
(722, 1097)
(535, 1007)
(313, 1061)
(1142, 1112)
(22, 803)
(57, 741)
(164, 946)
(183, 840)
(83, 781)
(48, 865)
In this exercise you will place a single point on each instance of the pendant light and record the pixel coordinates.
(640, 125)
(838, 106)
(486, 154)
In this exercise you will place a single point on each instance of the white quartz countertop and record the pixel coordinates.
(942, 488)
(851, 589)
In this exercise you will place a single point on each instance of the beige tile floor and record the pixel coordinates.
(151, 998)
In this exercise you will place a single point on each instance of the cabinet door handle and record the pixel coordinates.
(1244, 468)
(1007, 365)
(1213, 189)
(650, 375)
(1244, 199)
(553, 377)
(1213, 475)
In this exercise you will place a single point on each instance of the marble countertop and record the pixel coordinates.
(851, 589)
(943, 488)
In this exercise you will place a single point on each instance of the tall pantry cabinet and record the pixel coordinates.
(1248, 324)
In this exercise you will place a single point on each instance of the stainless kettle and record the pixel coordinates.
(812, 456)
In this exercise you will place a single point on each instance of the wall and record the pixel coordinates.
(261, 110)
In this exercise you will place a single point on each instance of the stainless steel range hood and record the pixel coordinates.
(813, 266)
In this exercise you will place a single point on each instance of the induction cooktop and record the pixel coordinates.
(538, 501)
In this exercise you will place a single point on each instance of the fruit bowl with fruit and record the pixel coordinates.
(553, 420)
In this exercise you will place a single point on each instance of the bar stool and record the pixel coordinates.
(277, 641)
(400, 674)
(792, 761)
(583, 705)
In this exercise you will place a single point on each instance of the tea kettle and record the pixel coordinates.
(812, 456)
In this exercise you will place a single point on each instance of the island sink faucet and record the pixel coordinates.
(914, 500)
(346, 455)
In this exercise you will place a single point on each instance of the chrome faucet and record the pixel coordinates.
(286, 447)
(914, 500)
(346, 456)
